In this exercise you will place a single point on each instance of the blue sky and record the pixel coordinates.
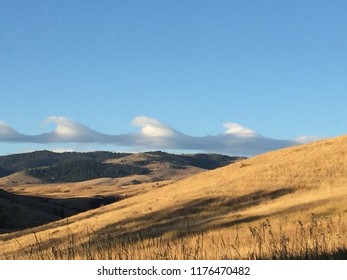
(276, 68)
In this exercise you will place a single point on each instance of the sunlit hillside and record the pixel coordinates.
(282, 201)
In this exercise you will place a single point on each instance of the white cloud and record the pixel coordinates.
(7, 133)
(237, 140)
(307, 139)
(62, 150)
(65, 127)
(238, 130)
(152, 127)
(69, 130)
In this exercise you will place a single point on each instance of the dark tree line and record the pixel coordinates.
(75, 166)
(206, 161)
(82, 170)
(18, 162)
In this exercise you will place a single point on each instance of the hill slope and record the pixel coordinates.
(51, 167)
(284, 186)
(93, 179)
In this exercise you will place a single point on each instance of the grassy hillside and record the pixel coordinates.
(290, 203)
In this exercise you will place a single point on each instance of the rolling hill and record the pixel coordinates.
(289, 203)
(61, 185)
(53, 167)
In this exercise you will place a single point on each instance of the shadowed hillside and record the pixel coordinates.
(18, 162)
(4, 172)
(19, 212)
(82, 170)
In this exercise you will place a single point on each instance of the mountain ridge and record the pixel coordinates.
(75, 167)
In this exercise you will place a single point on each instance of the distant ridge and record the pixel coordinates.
(19, 162)
(74, 166)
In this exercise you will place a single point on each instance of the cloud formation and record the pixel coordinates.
(236, 140)
(239, 130)
(153, 128)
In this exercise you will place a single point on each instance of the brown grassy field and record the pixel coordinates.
(290, 203)
(27, 202)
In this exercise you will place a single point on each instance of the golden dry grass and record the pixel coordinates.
(274, 195)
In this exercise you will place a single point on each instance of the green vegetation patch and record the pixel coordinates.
(82, 170)
(18, 162)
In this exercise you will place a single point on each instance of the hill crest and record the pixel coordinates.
(73, 166)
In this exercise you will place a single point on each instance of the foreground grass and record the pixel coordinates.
(320, 238)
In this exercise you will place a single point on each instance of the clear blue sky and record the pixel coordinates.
(277, 67)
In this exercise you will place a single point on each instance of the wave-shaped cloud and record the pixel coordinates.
(7, 133)
(236, 140)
